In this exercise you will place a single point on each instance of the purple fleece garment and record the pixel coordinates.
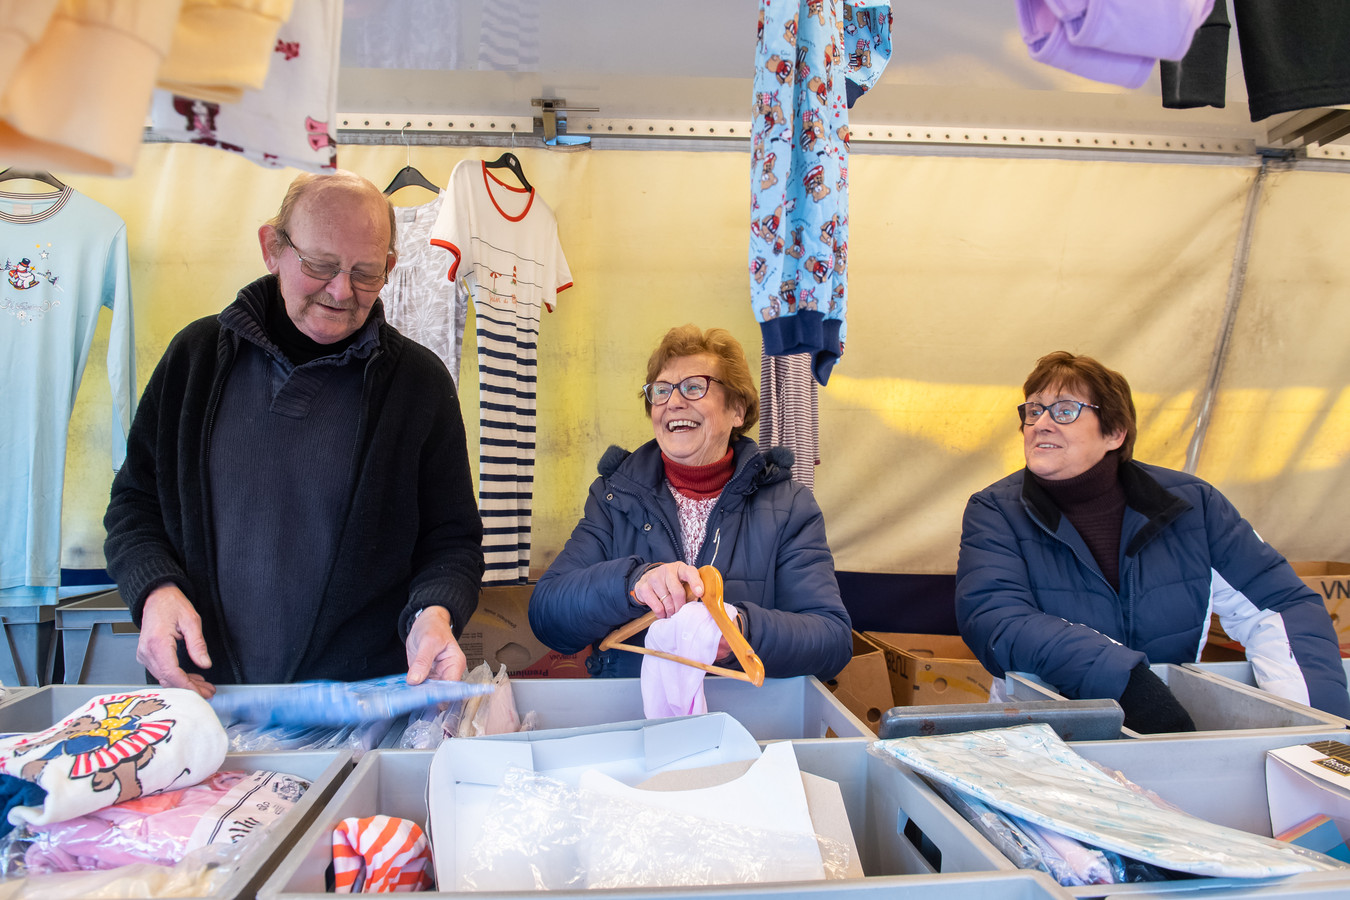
(1115, 41)
(1159, 29)
(1048, 43)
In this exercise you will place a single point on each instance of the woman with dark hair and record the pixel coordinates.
(700, 493)
(1086, 566)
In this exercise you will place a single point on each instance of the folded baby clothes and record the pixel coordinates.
(115, 748)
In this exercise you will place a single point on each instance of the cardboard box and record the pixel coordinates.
(499, 632)
(864, 685)
(1331, 582)
(928, 669)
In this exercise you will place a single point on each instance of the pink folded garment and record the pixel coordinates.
(671, 688)
(1158, 29)
(1048, 42)
(161, 828)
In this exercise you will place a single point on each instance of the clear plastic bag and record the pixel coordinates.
(200, 873)
(1029, 772)
(245, 736)
(337, 703)
(158, 829)
(493, 713)
(159, 862)
(998, 829)
(540, 834)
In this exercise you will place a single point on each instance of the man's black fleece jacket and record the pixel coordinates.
(411, 538)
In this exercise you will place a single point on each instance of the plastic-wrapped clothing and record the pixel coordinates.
(766, 536)
(1029, 772)
(338, 702)
(162, 828)
(1031, 598)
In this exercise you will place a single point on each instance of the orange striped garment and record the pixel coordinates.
(380, 854)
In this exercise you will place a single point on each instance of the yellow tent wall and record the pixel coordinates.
(962, 272)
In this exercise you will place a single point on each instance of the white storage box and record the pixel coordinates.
(1217, 706)
(782, 709)
(876, 795)
(1219, 779)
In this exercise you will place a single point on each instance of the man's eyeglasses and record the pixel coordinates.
(325, 271)
(695, 387)
(1064, 412)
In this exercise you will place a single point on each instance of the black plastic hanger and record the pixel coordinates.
(13, 174)
(408, 176)
(508, 161)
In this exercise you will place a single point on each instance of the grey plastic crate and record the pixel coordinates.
(10, 694)
(782, 709)
(1218, 707)
(1073, 720)
(325, 771)
(1219, 779)
(98, 641)
(27, 657)
(1241, 672)
(877, 796)
(39, 708)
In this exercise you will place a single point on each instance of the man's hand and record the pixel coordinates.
(433, 651)
(168, 618)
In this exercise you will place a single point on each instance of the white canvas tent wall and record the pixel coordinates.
(993, 220)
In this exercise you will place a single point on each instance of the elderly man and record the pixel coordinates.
(296, 501)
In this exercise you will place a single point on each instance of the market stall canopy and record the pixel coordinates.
(959, 73)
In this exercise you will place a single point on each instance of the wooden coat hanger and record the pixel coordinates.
(509, 161)
(13, 174)
(408, 176)
(752, 668)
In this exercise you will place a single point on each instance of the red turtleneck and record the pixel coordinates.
(700, 482)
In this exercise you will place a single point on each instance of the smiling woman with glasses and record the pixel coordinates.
(700, 493)
(1086, 567)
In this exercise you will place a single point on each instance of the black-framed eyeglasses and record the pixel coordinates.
(1064, 412)
(326, 271)
(695, 387)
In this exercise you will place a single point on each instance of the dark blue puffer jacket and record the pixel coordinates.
(1031, 598)
(766, 535)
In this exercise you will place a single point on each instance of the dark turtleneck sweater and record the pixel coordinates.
(281, 467)
(1094, 502)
